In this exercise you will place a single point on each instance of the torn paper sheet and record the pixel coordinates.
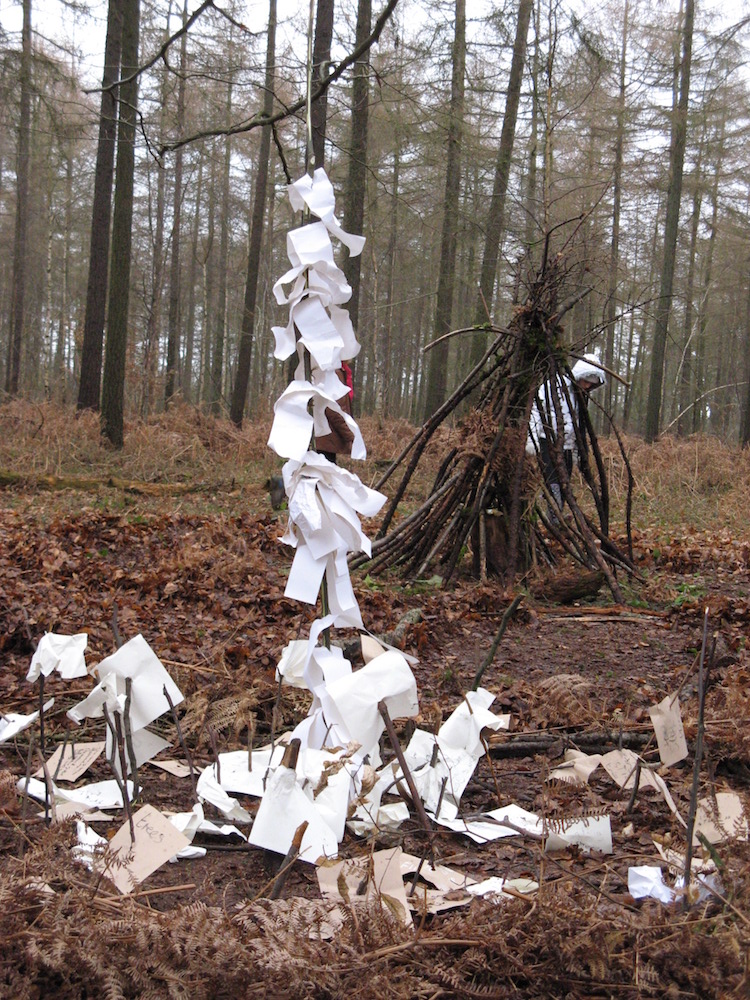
(134, 659)
(128, 862)
(63, 653)
(195, 822)
(495, 886)
(11, 723)
(440, 772)
(71, 760)
(145, 745)
(351, 702)
(577, 767)
(283, 808)
(294, 424)
(90, 846)
(670, 735)
(317, 194)
(720, 820)
(325, 775)
(592, 833)
(463, 728)
(442, 765)
(98, 795)
(620, 765)
(292, 663)
(373, 877)
(209, 790)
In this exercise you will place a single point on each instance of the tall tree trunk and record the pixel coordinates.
(321, 62)
(438, 361)
(239, 396)
(356, 182)
(187, 367)
(89, 388)
(614, 253)
(496, 214)
(217, 355)
(18, 295)
(153, 325)
(115, 349)
(676, 161)
(175, 284)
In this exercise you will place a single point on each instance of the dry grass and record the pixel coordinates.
(696, 484)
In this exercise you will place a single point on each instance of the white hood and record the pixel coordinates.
(589, 368)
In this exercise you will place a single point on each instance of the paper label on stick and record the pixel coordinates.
(69, 762)
(128, 861)
(670, 735)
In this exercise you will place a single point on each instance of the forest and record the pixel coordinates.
(468, 146)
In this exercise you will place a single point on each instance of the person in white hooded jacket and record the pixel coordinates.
(570, 395)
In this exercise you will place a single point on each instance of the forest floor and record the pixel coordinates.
(174, 538)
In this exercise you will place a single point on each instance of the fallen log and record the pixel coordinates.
(91, 484)
(509, 745)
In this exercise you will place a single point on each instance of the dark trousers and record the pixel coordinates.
(549, 469)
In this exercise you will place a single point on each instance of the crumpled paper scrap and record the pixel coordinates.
(209, 790)
(134, 659)
(63, 653)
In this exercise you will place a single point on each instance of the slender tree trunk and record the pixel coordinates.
(153, 326)
(356, 183)
(671, 226)
(217, 356)
(321, 63)
(614, 254)
(187, 367)
(239, 396)
(89, 388)
(175, 284)
(496, 214)
(18, 298)
(437, 374)
(115, 352)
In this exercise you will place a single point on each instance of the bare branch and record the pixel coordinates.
(260, 119)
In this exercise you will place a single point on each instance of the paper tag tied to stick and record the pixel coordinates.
(670, 735)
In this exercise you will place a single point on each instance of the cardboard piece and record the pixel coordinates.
(620, 765)
(377, 876)
(670, 735)
(70, 761)
(127, 863)
(176, 767)
(721, 820)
